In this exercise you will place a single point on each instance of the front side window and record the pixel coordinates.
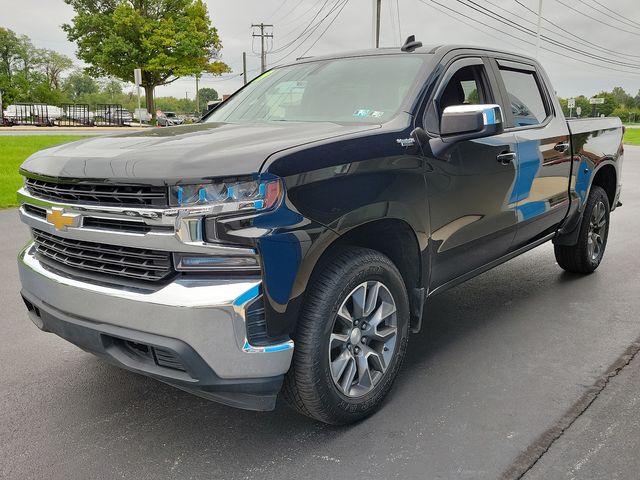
(525, 97)
(464, 88)
(364, 90)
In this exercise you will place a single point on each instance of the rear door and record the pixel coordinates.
(543, 164)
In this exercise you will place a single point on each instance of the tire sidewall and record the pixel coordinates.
(598, 194)
(351, 409)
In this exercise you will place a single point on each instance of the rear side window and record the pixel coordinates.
(526, 99)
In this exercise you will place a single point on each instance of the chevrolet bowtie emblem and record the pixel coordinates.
(61, 220)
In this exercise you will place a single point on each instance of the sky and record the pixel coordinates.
(609, 35)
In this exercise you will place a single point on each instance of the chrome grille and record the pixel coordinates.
(112, 260)
(98, 194)
(111, 224)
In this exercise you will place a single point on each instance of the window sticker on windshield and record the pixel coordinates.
(363, 112)
(263, 76)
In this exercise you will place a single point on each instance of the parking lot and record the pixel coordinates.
(505, 368)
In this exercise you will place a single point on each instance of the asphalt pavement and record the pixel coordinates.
(520, 371)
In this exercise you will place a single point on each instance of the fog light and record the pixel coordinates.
(189, 263)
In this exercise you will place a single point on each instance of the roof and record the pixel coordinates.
(424, 50)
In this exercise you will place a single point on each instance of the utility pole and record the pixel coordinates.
(538, 33)
(1, 110)
(137, 78)
(376, 19)
(197, 95)
(262, 35)
(244, 67)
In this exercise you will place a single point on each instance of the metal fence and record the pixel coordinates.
(67, 115)
(38, 114)
(110, 115)
(75, 115)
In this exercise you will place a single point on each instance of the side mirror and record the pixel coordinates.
(466, 122)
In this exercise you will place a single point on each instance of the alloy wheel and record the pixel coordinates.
(597, 231)
(363, 339)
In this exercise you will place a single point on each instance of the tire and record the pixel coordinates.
(587, 253)
(324, 340)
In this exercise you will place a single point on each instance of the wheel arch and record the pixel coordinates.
(606, 177)
(392, 237)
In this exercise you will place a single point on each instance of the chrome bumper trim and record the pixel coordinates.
(206, 313)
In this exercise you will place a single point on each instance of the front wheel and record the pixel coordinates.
(351, 338)
(587, 253)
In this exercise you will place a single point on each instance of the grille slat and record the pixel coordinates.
(116, 224)
(103, 223)
(130, 262)
(114, 195)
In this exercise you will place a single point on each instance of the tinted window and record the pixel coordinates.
(366, 89)
(464, 88)
(525, 97)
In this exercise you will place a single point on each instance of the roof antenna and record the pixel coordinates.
(410, 45)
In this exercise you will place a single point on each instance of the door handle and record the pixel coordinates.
(561, 147)
(506, 158)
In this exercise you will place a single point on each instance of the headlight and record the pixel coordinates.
(229, 195)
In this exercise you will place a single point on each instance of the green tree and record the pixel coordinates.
(16, 61)
(166, 39)
(205, 96)
(608, 106)
(112, 89)
(53, 65)
(78, 85)
(622, 98)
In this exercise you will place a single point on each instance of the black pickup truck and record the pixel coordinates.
(290, 242)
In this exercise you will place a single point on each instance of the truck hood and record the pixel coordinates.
(193, 152)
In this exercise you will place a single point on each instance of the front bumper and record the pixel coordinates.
(190, 333)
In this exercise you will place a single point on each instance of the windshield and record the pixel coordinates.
(364, 89)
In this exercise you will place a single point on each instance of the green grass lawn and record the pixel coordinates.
(13, 151)
(632, 136)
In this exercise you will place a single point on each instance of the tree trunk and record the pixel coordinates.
(149, 100)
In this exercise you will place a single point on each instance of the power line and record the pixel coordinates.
(597, 20)
(562, 54)
(528, 31)
(295, 19)
(559, 27)
(344, 4)
(469, 24)
(335, 6)
(301, 34)
(277, 9)
(624, 21)
(614, 12)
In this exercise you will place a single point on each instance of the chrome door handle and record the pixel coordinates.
(506, 158)
(561, 147)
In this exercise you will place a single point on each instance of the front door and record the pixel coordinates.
(469, 186)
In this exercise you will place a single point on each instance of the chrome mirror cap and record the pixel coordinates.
(491, 113)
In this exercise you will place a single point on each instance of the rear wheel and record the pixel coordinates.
(351, 338)
(587, 253)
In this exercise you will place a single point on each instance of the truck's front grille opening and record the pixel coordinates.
(98, 258)
(116, 224)
(256, 323)
(99, 194)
